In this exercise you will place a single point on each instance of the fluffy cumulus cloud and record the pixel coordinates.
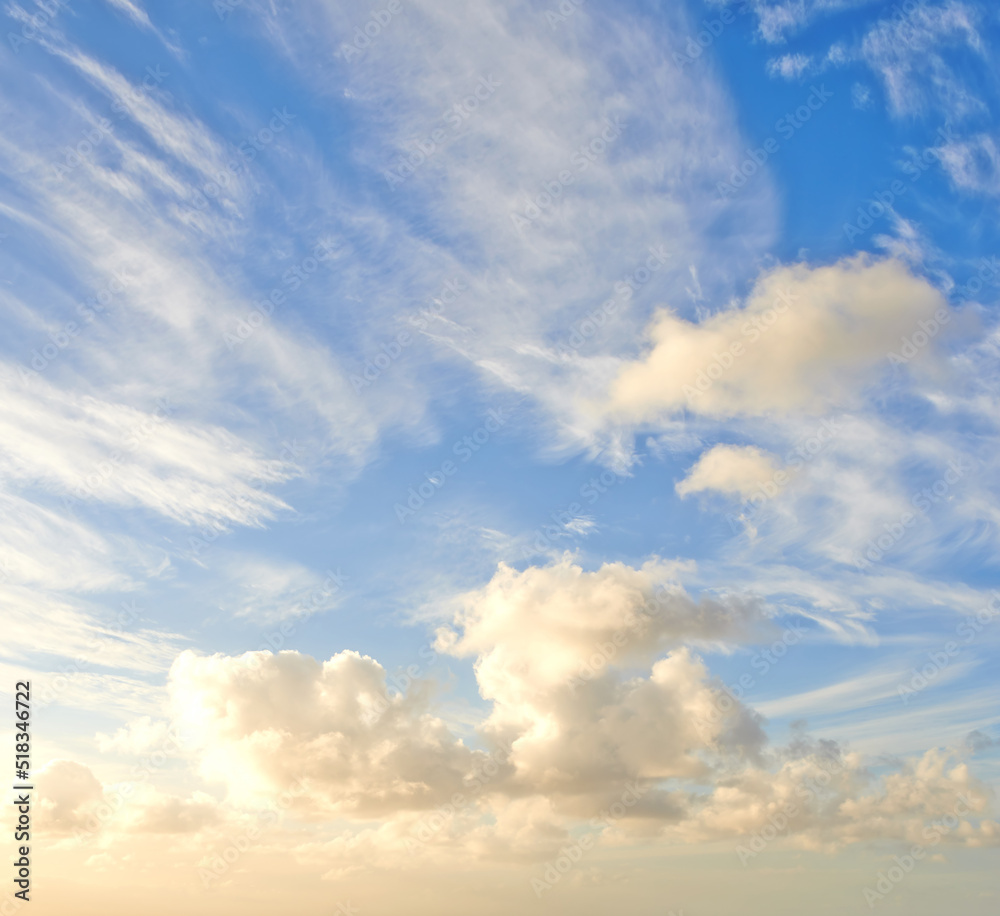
(577, 720)
(139, 736)
(266, 722)
(156, 812)
(72, 800)
(820, 797)
(532, 200)
(596, 694)
(68, 795)
(805, 339)
(729, 469)
(570, 712)
(569, 612)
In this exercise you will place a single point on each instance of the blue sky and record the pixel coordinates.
(457, 348)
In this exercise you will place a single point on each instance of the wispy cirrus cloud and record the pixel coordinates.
(637, 154)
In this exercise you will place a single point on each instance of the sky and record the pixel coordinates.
(492, 456)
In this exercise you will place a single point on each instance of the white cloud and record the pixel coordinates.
(134, 12)
(72, 800)
(41, 623)
(852, 693)
(40, 547)
(905, 50)
(777, 19)
(824, 799)
(576, 725)
(789, 66)
(729, 469)
(590, 675)
(861, 96)
(523, 321)
(265, 720)
(571, 613)
(556, 652)
(139, 736)
(807, 339)
(126, 206)
(973, 164)
(68, 794)
(129, 294)
(89, 450)
(270, 590)
(153, 811)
